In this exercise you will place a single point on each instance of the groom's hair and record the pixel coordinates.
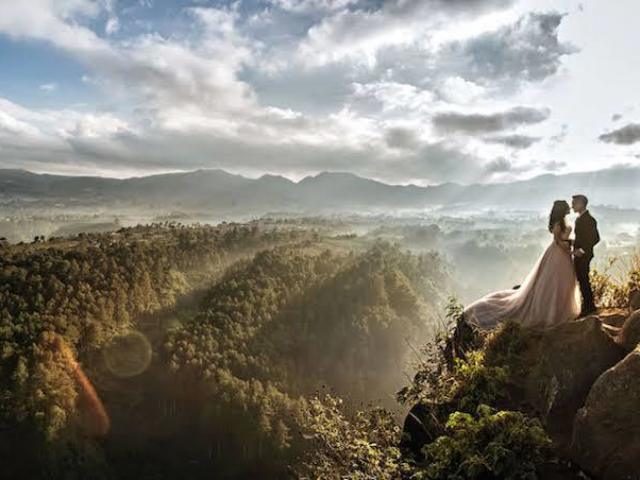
(581, 198)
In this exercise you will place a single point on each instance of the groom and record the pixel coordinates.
(587, 237)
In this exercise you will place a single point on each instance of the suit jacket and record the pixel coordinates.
(587, 235)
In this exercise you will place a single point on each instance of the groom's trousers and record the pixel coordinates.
(582, 265)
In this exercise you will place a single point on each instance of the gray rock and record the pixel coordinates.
(570, 358)
(614, 318)
(560, 366)
(606, 434)
(630, 334)
(634, 300)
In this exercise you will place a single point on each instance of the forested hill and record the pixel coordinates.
(244, 351)
(219, 191)
(107, 372)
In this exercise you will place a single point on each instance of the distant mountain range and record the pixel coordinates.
(220, 191)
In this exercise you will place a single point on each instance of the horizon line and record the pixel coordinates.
(317, 174)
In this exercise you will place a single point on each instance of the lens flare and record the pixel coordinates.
(94, 418)
(128, 355)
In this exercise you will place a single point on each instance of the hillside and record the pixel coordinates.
(218, 191)
(206, 342)
(511, 403)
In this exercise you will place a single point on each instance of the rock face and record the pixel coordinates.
(630, 334)
(634, 300)
(606, 435)
(552, 374)
(564, 363)
(614, 318)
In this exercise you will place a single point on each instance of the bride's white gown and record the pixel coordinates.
(549, 295)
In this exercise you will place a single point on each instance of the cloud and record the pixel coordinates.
(393, 96)
(166, 72)
(305, 6)
(553, 165)
(527, 50)
(474, 123)
(401, 138)
(627, 135)
(112, 26)
(561, 136)
(281, 141)
(499, 165)
(48, 87)
(358, 34)
(514, 141)
(458, 90)
(294, 87)
(54, 22)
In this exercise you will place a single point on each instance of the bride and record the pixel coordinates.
(549, 294)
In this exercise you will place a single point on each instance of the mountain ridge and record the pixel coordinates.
(219, 190)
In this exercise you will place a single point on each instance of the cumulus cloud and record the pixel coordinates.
(474, 123)
(401, 138)
(298, 86)
(358, 34)
(516, 141)
(626, 135)
(306, 6)
(393, 96)
(527, 50)
(499, 165)
(460, 91)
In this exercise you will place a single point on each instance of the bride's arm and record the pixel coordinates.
(560, 238)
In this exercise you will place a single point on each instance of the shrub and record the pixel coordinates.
(476, 383)
(610, 289)
(363, 447)
(490, 444)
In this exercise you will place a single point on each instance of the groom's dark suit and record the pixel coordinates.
(587, 237)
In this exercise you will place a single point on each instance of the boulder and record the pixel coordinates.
(629, 336)
(421, 427)
(634, 300)
(606, 434)
(561, 365)
(614, 317)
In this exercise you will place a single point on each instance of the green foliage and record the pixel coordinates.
(286, 323)
(454, 309)
(270, 332)
(611, 289)
(475, 382)
(475, 436)
(86, 290)
(488, 444)
(363, 447)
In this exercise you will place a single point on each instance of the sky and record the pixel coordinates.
(403, 91)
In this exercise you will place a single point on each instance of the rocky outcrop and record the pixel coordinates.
(614, 317)
(629, 336)
(551, 374)
(562, 365)
(606, 434)
(634, 300)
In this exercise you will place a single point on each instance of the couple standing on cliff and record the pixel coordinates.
(550, 294)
